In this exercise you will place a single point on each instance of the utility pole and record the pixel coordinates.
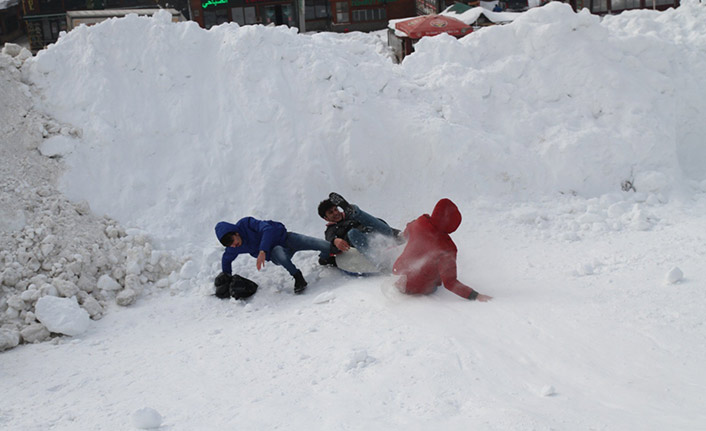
(302, 16)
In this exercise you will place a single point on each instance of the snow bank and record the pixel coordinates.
(51, 247)
(180, 123)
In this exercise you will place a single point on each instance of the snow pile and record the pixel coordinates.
(574, 104)
(52, 246)
(262, 121)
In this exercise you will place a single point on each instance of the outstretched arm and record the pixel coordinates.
(447, 271)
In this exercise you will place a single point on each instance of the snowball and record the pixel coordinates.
(547, 391)
(675, 275)
(105, 282)
(146, 418)
(62, 315)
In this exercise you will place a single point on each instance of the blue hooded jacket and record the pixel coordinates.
(256, 235)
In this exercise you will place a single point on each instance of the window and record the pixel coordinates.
(360, 15)
(342, 12)
(244, 15)
(316, 9)
(632, 4)
(600, 6)
(214, 17)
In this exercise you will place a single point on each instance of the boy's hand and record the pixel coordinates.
(261, 260)
(483, 298)
(341, 244)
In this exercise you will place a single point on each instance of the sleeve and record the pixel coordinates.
(268, 230)
(226, 261)
(447, 271)
(330, 233)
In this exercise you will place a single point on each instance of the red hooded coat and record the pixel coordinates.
(429, 258)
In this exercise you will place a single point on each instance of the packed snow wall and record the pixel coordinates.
(182, 127)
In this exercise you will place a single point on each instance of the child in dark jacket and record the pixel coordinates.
(429, 258)
(352, 226)
(267, 240)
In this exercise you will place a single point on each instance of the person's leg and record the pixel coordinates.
(283, 257)
(370, 221)
(359, 240)
(298, 242)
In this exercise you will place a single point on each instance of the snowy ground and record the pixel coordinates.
(532, 128)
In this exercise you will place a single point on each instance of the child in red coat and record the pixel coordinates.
(429, 258)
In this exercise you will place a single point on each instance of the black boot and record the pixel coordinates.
(339, 201)
(299, 282)
(327, 261)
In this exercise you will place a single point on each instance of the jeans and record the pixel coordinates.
(370, 221)
(282, 255)
(361, 240)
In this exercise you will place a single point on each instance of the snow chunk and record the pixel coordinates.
(62, 315)
(105, 282)
(9, 339)
(126, 297)
(189, 270)
(34, 333)
(146, 418)
(324, 297)
(675, 275)
(12, 220)
(57, 146)
(359, 359)
(547, 391)
(11, 49)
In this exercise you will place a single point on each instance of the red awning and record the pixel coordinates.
(430, 25)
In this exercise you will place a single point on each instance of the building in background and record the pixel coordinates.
(320, 15)
(45, 19)
(74, 18)
(368, 15)
(208, 13)
(603, 7)
(10, 19)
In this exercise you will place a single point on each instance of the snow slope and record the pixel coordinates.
(532, 128)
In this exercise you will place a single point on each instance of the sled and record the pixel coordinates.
(352, 262)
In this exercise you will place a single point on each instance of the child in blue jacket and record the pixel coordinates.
(267, 240)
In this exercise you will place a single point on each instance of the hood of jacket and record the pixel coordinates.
(446, 217)
(222, 228)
